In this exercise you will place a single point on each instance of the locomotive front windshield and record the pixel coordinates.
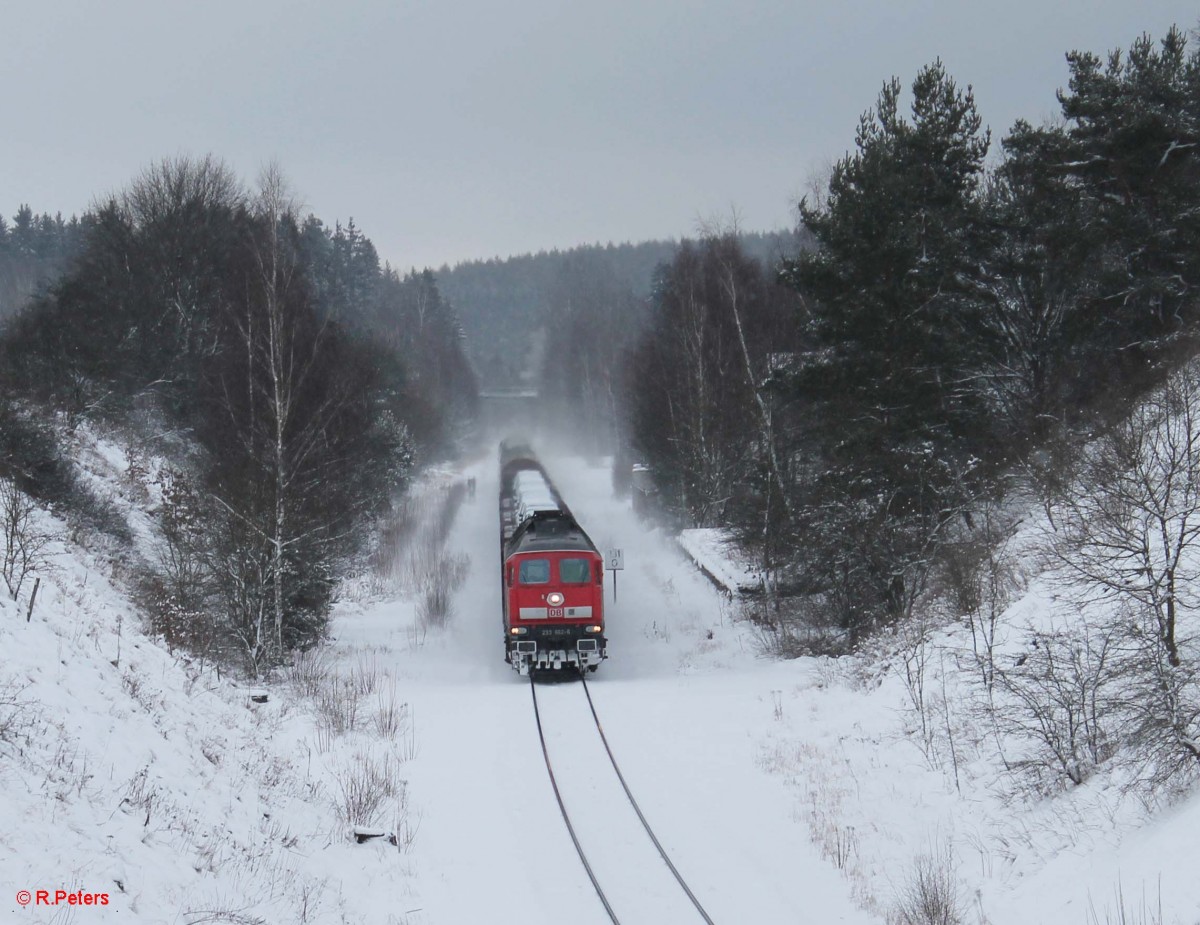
(574, 571)
(535, 571)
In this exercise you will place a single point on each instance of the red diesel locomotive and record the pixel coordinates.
(552, 575)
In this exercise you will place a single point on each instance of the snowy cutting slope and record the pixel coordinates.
(784, 791)
(143, 777)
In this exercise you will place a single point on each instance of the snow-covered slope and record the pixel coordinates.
(160, 789)
(784, 791)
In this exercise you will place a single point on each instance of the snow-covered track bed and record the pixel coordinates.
(630, 869)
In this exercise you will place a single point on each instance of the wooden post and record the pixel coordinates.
(32, 597)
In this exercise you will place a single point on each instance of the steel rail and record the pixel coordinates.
(637, 809)
(563, 807)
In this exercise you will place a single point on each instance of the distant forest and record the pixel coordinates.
(508, 305)
(34, 251)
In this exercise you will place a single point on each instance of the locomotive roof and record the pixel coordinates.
(552, 531)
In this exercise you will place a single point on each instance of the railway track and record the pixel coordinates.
(630, 881)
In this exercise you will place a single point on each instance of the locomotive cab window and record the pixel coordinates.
(535, 571)
(573, 571)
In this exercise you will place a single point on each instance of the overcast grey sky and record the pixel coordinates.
(452, 130)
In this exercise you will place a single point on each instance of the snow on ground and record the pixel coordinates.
(712, 550)
(161, 791)
(790, 791)
(682, 725)
(781, 790)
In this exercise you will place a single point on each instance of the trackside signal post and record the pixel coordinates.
(614, 561)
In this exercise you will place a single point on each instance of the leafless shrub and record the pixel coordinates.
(308, 896)
(141, 796)
(17, 714)
(837, 841)
(67, 770)
(454, 569)
(1158, 705)
(404, 827)
(135, 685)
(978, 578)
(364, 675)
(337, 709)
(224, 915)
(419, 566)
(1131, 528)
(309, 673)
(410, 550)
(840, 846)
(22, 543)
(364, 787)
(912, 663)
(794, 627)
(435, 606)
(417, 633)
(395, 536)
(1126, 536)
(392, 717)
(931, 895)
(448, 510)
(1058, 699)
(1144, 913)
(213, 749)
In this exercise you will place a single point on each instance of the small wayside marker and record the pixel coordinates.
(614, 561)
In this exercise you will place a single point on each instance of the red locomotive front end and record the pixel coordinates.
(553, 576)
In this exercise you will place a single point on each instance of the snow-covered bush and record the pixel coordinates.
(1056, 701)
(310, 672)
(365, 786)
(931, 895)
(1125, 540)
(391, 719)
(337, 709)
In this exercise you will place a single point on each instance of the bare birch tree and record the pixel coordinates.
(1132, 527)
(279, 412)
(1129, 536)
(723, 243)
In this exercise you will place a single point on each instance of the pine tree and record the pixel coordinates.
(1040, 279)
(892, 298)
(1133, 154)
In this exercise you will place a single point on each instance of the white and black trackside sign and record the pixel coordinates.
(614, 561)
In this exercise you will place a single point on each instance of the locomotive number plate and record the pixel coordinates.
(556, 611)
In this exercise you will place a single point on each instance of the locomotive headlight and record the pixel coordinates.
(554, 598)
(519, 630)
(594, 629)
